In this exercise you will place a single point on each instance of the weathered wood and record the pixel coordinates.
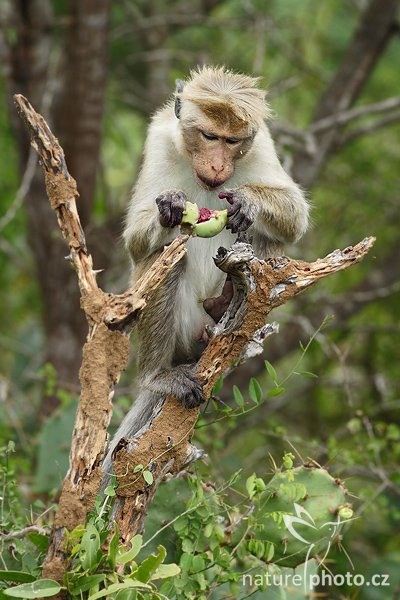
(164, 445)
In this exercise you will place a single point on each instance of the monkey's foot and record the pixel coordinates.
(180, 381)
(187, 388)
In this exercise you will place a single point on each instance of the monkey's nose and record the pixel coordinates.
(218, 167)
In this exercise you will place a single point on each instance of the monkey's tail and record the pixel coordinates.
(146, 407)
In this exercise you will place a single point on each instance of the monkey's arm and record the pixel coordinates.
(156, 204)
(268, 201)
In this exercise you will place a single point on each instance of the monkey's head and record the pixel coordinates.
(219, 113)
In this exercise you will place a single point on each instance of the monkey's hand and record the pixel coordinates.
(171, 206)
(241, 213)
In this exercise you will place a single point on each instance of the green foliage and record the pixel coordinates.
(95, 573)
(43, 588)
(20, 557)
(219, 539)
(55, 434)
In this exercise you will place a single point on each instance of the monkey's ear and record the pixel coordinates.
(179, 85)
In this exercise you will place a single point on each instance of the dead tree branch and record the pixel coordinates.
(163, 445)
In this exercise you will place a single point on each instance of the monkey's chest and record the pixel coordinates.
(203, 278)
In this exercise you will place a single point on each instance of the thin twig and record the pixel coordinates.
(23, 533)
(343, 117)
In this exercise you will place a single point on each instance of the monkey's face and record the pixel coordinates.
(213, 151)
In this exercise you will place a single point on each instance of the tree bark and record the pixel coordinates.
(71, 96)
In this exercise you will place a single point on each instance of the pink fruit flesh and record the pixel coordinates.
(205, 215)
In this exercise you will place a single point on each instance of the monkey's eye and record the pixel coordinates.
(209, 136)
(232, 141)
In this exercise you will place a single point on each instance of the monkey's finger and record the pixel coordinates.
(194, 400)
(181, 196)
(239, 222)
(235, 208)
(227, 195)
(176, 214)
(232, 227)
(165, 217)
(244, 221)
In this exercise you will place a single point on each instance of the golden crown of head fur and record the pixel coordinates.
(213, 87)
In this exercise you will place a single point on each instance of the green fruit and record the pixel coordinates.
(302, 514)
(213, 226)
(190, 214)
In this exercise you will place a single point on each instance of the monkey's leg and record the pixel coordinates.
(158, 337)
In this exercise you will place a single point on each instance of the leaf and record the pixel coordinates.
(217, 387)
(187, 545)
(250, 485)
(186, 561)
(109, 491)
(90, 545)
(278, 391)
(269, 551)
(165, 571)
(306, 374)
(16, 576)
(150, 564)
(39, 540)
(237, 396)
(116, 587)
(42, 588)
(255, 391)
(129, 594)
(198, 563)
(271, 371)
(85, 582)
(148, 477)
(136, 545)
(113, 547)
(138, 468)
(208, 530)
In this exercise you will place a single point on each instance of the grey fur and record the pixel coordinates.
(159, 368)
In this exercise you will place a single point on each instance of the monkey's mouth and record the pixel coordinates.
(209, 184)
